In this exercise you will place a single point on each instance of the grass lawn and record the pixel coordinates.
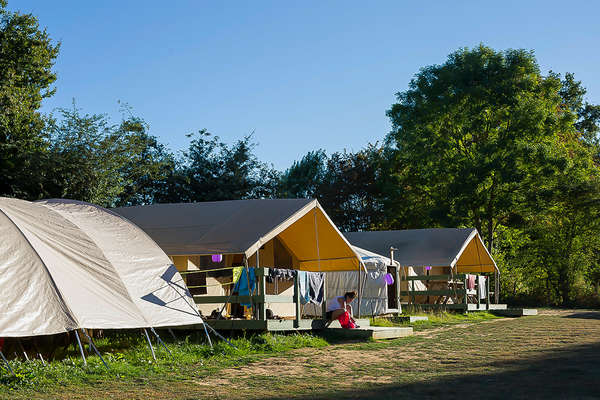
(555, 355)
(435, 320)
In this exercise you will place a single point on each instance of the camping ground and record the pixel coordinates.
(553, 355)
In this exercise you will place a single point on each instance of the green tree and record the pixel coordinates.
(305, 177)
(564, 229)
(27, 55)
(146, 166)
(350, 192)
(473, 134)
(211, 170)
(346, 184)
(91, 159)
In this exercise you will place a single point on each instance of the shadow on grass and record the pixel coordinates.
(584, 315)
(571, 373)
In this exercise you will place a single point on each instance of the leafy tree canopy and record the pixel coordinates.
(27, 55)
(473, 134)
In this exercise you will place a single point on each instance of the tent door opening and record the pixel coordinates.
(392, 301)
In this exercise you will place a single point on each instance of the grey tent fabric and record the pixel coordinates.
(148, 274)
(66, 265)
(220, 227)
(416, 247)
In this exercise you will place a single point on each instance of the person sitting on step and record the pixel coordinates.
(339, 308)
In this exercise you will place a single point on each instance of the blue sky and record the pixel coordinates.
(301, 75)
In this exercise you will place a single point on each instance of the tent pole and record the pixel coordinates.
(23, 349)
(172, 334)
(95, 349)
(80, 347)
(149, 343)
(261, 287)
(219, 335)
(160, 341)
(359, 290)
(204, 325)
(38, 352)
(248, 280)
(7, 364)
(324, 304)
(195, 310)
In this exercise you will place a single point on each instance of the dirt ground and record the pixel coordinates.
(555, 355)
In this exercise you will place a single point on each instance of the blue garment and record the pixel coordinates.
(303, 286)
(241, 285)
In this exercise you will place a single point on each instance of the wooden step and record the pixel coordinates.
(372, 332)
(515, 312)
(362, 322)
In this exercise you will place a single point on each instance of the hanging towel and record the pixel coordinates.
(237, 273)
(315, 287)
(242, 284)
(481, 284)
(470, 281)
(303, 285)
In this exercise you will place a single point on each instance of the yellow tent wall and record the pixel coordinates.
(475, 258)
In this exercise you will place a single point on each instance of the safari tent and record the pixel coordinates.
(378, 296)
(208, 240)
(66, 265)
(432, 253)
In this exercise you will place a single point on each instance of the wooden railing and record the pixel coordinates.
(260, 299)
(456, 292)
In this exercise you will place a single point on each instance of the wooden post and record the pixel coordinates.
(466, 300)
(262, 286)
(359, 291)
(496, 287)
(487, 297)
(324, 304)
(478, 292)
(397, 277)
(297, 300)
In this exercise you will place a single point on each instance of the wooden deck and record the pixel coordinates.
(457, 307)
(271, 325)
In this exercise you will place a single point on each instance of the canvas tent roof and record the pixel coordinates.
(460, 248)
(243, 226)
(66, 265)
(373, 260)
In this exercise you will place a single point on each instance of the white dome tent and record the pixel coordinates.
(66, 265)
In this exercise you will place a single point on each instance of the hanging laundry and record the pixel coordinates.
(242, 284)
(303, 286)
(470, 281)
(311, 287)
(280, 273)
(316, 282)
(237, 273)
(481, 284)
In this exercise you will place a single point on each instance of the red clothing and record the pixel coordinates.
(345, 321)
